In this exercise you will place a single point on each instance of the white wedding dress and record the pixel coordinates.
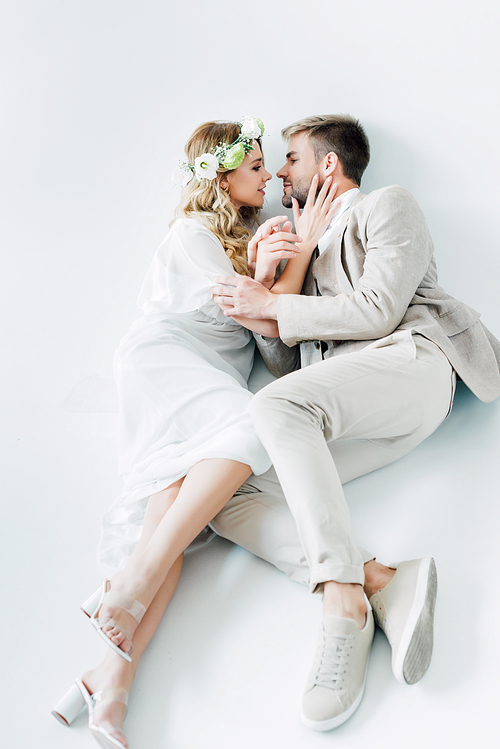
(182, 374)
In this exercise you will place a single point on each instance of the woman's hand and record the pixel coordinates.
(264, 230)
(270, 245)
(317, 214)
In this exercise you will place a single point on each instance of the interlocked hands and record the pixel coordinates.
(268, 246)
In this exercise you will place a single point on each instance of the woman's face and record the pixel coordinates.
(246, 183)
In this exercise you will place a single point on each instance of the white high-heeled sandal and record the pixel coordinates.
(79, 697)
(93, 604)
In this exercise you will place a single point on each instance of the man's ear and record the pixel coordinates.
(330, 163)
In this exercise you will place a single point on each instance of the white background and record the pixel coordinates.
(98, 98)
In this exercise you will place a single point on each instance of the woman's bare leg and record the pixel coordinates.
(113, 671)
(205, 490)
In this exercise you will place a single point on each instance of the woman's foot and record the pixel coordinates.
(122, 609)
(108, 713)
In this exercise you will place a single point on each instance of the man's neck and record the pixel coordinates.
(343, 185)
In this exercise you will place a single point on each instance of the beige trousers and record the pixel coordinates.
(325, 425)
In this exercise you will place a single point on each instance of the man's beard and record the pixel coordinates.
(300, 192)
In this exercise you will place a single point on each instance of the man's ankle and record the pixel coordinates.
(376, 577)
(346, 600)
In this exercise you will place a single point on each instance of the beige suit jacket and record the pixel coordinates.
(379, 275)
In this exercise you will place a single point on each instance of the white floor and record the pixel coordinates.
(227, 665)
(98, 99)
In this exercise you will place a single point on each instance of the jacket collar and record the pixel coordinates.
(343, 223)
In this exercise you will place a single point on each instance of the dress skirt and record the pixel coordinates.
(183, 398)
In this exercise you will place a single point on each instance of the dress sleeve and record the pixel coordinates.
(183, 271)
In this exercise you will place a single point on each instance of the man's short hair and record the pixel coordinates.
(339, 133)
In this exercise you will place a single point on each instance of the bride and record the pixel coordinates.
(186, 441)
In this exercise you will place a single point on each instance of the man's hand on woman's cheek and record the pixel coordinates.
(241, 296)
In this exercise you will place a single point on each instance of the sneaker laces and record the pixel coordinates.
(333, 660)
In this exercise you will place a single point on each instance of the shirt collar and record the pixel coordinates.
(345, 202)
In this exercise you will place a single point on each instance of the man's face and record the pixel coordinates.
(299, 170)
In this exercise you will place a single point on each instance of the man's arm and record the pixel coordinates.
(262, 327)
(244, 297)
(278, 358)
(398, 252)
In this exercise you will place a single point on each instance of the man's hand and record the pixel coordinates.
(270, 245)
(241, 296)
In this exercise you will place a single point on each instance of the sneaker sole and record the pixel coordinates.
(416, 653)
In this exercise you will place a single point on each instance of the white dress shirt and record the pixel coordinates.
(345, 203)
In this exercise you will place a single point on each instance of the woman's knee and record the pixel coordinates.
(161, 502)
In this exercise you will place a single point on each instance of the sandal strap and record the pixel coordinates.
(127, 603)
(122, 600)
(113, 694)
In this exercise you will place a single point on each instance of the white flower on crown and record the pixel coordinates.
(182, 174)
(250, 128)
(205, 166)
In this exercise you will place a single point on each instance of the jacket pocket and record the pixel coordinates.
(458, 319)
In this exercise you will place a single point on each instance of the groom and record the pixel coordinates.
(370, 350)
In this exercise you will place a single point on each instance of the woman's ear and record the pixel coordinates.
(224, 183)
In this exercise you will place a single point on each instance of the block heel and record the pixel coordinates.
(79, 697)
(69, 706)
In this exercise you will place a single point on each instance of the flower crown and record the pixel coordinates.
(227, 156)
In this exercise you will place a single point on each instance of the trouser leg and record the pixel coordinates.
(389, 396)
(258, 519)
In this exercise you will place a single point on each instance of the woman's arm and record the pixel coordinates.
(269, 245)
(272, 247)
(267, 328)
(194, 259)
(275, 245)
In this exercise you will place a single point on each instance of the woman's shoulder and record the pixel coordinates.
(191, 239)
(184, 227)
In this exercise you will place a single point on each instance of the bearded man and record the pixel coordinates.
(366, 360)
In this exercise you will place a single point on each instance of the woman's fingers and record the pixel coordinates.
(333, 210)
(270, 226)
(282, 241)
(296, 211)
(331, 194)
(280, 236)
(327, 194)
(311, 195)
(324, 191)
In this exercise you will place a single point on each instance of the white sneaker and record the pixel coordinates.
(404, 610)
(336, 683)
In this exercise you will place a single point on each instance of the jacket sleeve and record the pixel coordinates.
(398, 252)
(278, 358)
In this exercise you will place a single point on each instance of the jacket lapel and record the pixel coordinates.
(329, 263)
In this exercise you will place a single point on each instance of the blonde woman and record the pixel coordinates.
(186, 441)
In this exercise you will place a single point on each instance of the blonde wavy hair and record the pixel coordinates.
(206, 201)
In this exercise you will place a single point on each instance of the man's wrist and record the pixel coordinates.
(272, 307)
